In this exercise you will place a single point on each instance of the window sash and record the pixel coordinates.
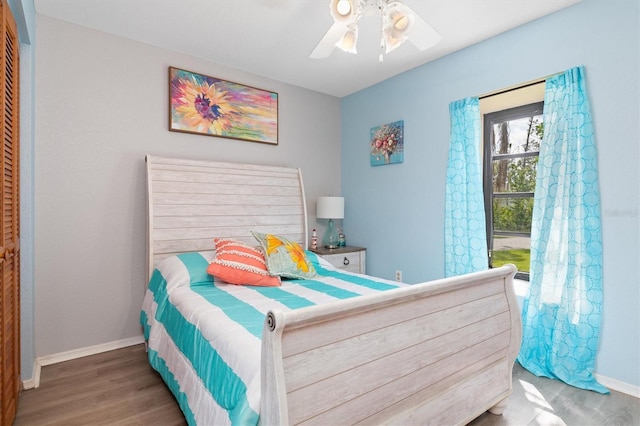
(489, 157)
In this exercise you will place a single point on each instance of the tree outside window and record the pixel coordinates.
(511, 146)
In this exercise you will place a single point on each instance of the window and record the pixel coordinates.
(511, 146)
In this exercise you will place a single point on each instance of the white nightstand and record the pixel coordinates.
(352, 259)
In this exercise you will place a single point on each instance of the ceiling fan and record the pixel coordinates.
(399, 23)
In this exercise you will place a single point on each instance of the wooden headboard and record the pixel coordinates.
(190, 202)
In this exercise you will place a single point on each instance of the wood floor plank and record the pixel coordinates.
(116, 387)
(120, 388)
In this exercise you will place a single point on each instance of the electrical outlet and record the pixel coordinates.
(398, 275)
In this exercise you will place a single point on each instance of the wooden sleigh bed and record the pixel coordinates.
(440, 352)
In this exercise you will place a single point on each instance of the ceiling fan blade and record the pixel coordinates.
(328, 42)
(422, 35)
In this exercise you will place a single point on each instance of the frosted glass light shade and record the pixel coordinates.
(330, 208)
(349, 40)
(397, 22)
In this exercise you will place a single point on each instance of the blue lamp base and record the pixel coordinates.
(330, 238)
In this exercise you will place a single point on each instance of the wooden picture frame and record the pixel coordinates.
(211, 106)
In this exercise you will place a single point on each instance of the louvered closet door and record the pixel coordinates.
(9, 217)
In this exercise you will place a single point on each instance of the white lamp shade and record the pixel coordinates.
(330, 208)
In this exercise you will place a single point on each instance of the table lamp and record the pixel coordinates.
(330, 208)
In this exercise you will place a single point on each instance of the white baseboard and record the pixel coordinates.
(76, 353)
(33, 382)
(618, 386)
(28, 384)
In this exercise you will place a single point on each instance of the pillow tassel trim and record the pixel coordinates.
(241, 266)
(243, 254)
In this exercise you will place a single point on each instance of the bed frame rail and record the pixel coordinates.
(434, 353)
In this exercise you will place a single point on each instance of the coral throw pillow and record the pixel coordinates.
(285, 258)
(239, 263)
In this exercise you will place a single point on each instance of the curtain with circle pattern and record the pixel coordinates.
(465, 236)
(561, 313)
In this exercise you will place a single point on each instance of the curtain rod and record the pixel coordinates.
(533, 83)
(521, 86)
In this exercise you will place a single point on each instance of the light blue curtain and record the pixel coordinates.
(561, 314)
(465, 237)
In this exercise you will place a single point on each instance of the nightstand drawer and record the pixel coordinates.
(347, 261)
(350, 259)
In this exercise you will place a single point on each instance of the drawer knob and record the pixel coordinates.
(346, 261)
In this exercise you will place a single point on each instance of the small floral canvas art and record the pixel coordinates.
(387, 144)
(210, 106)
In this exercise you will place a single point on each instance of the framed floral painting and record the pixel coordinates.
(387, 144)
(214, 107)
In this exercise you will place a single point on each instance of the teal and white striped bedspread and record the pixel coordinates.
(204, 337)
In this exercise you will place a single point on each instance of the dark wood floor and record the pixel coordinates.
(119, 388)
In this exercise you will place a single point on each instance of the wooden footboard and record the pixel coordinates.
(440, 352)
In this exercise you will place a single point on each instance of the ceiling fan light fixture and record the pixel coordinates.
(390, 41)
(401, 23)
(343, 11)
(343, 7)
(349, 40)
(397, 21)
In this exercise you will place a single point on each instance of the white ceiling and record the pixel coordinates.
(273, 38)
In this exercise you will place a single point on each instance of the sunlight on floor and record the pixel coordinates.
(543, 410)
(548, 419)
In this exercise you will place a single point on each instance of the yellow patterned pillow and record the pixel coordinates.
(285, 258)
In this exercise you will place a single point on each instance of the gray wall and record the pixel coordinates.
(397, 211)
(101, 105)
